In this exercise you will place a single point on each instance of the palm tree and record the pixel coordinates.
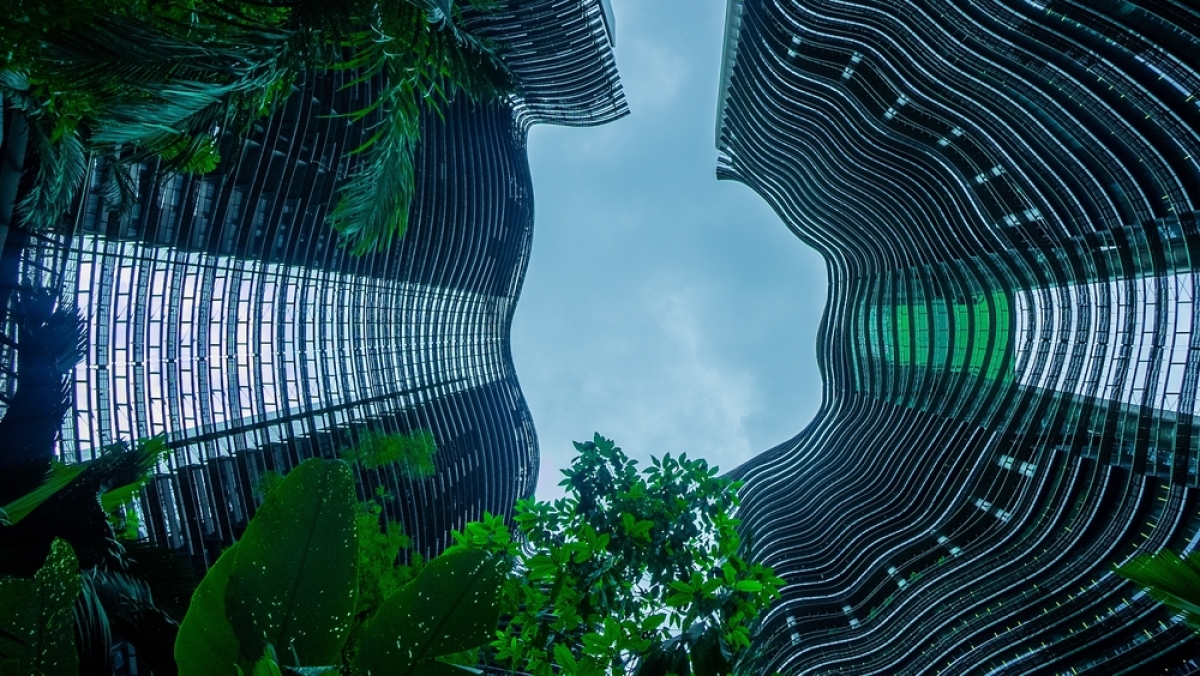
(162, 80)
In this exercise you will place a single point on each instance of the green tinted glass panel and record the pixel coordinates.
(971, 338)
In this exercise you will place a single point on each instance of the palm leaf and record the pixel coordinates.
(427, 59)
(165, 87)
(60, 169)
(375, 200)
(57, 479)
(120, 190)
(1172, 580)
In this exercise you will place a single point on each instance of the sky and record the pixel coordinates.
(664, 309)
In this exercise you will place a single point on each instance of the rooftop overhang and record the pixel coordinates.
(610, 21)
(733, 26)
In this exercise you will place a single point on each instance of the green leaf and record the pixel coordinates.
(541, 567)
(653, 622)
(748, 586)
(682, 587)
(120, 496)
(654, 663)
(57, 479)
(267, 666)
(294, 579)
(206, 645)
(677, 600)
(443, 669)
(412, 454)
(661, 662)
(36, 615)
(590, 666)
(1171, 579)
(707, 657)
(627, 521)
(452, 606)
(564, 658)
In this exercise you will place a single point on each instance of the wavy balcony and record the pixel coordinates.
(1006, 197)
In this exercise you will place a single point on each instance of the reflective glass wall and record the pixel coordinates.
(1006, 196)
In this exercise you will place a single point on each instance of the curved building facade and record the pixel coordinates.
(1005, 194)
(224, 315)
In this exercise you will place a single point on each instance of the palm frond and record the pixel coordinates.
(60, 170)
(159, 86)
(120, 190)
(93, 634)
(427, 59)
(57, 479)
(132, 613)
(1171, 579)
(169, 576)
(165, 88)
(375, 200)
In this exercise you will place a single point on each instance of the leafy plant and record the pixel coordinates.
(113, 599)
(419, 68)
(289, 596)
(452, 606)
(630, 573)
(155, 80)
(35, 618)
(380, 542)
(74, 502)
(58, 478)
(1171, 579)
(411, 454)
(289, 583)
(119, 604)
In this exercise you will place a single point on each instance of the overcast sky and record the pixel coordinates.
(662, 308)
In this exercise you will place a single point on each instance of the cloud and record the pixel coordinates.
(652, 74)
(708, 396)
(656, 384)
(663, 309)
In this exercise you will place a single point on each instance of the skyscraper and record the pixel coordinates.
(224, 315)
(1005, 195)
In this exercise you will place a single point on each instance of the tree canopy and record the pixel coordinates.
(631, 572)
(142, 80)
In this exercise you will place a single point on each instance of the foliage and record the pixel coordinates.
(630, 573)
(76, 502)
(452, 606)
(119, 502)
(380, 542)
(1171, 579)
(419, 67)
(50, 338)
(118, 603)
(136, 465)
(268, 587)
(58, 478)
(290, 582)
(288, 597)
(71, 504)
(411, 454)
(141, 80)
(35, 627)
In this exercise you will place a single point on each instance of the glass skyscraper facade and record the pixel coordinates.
(1005, 193)
(224, 315)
